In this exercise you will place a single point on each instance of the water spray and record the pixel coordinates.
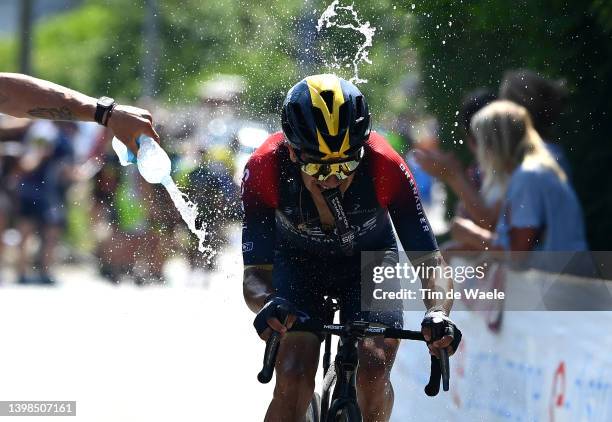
(154, 166)
(329, 19)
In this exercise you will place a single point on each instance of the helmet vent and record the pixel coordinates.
(359, 106)
(299, 118)
(328, 97)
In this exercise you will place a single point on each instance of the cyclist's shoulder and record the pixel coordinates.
(261, 173)
(381, 156)
(388, 170)
(377, 142)
(269, 151)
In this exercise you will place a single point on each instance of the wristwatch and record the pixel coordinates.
(104, 109)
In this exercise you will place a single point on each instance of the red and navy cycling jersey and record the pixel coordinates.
(280, 215)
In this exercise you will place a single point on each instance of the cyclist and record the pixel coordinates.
(293, 257)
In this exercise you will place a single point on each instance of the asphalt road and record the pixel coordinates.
(179, 352)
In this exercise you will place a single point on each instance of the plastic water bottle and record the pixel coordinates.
(152, 161)
(154, 166)
(126, 157)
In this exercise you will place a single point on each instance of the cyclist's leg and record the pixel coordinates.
(295, 279)
(374, 389)
(296, 367)
(376, 355)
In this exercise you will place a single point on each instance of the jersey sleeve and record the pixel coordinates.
(259, 201)
(397, 191)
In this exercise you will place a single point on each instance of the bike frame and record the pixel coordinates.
(345, 364)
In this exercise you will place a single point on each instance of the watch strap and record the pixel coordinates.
(104, 109)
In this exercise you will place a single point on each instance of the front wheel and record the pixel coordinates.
(344, 412)
(313, 414)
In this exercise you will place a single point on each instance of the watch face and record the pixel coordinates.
(106, 101)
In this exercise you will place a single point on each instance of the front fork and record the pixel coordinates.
(347, 362)
(344, 398)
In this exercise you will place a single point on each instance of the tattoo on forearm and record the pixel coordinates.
(62, 113)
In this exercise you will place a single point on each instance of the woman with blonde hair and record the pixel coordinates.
(540, 210)
(545, 101)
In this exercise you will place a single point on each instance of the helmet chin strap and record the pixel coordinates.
(333, 198)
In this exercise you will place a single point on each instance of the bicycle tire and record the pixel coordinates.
(330, 379)
(349, 412)
(329, 382)
(313, 414)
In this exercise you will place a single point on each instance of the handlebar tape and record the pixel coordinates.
(433, 386)
(265, 375)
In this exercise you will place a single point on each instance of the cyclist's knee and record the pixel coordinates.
(297, 366)
(295, 381)
(376, 359)
(373, 377)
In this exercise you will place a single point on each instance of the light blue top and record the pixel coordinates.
(538, 198)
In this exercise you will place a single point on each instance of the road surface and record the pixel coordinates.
(180, 352)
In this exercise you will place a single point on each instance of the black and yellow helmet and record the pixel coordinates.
(326, 117)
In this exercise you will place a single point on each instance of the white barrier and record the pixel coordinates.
(541, 366)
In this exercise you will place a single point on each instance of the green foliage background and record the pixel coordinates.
(559, 39)
(97, 48)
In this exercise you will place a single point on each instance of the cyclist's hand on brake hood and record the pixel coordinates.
(277, 314)
(440, 332)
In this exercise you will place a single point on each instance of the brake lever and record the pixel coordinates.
(437, 332)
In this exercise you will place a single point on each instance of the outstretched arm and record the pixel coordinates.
(25, 96)
(446, 167)
(484, 215)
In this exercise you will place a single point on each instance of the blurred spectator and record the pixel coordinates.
(132, 245)
(211, 186)
(544, 99)
(13, 128)
(540, 209)
(5, 208)
(478, 203)
(410, 134)
(46, 171)
(471, 103)
(427, 141)
(124, 219)
(47, 166)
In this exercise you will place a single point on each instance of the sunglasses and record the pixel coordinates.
(323, 171)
